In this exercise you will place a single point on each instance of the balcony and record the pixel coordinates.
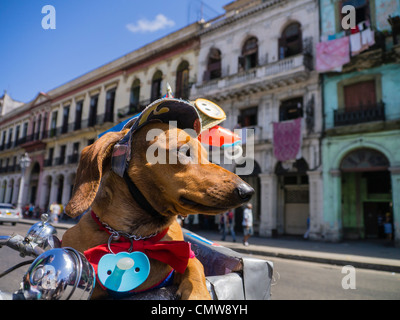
(74, 126)
(360, 114)
(280, 73)
(132, 109)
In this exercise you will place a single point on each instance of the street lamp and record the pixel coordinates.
(24, 162)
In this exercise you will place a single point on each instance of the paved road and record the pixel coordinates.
(300, 280)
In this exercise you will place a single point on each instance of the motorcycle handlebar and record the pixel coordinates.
(22, 245)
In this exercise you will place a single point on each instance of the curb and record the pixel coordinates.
(310, 258)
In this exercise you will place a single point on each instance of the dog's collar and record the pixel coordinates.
(157, 236)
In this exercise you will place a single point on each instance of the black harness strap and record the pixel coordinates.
(139, 197)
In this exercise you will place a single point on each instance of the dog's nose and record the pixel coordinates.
(244, 192)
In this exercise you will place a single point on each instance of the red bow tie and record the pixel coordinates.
(174, 253)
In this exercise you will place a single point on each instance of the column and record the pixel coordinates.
(3, 188)
(8, 192)
(316, 204)
(44, 192)
(332, 206)
(395, 175)
(53, 190)
(268, 195)
(66, 190)
(15, 192)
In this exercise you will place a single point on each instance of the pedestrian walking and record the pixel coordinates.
(247, 223)
(307, 233)
(55, 210)
(388, 228)
(227, 225)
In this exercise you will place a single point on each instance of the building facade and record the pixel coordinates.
(360, 150)
(257, 62)
(55, 126)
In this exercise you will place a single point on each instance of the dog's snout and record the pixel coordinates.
(244, 192)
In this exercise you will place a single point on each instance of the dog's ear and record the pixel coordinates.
(94, 159)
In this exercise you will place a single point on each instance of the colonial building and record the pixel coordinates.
(55, 126)
(257, 62)
(361, 149)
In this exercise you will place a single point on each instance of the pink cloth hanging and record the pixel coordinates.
(332, 55)
(287, 139)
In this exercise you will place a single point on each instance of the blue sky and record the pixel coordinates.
(88, 34)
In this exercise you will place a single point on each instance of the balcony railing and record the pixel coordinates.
(71, 159)
(260, 73)
(360, 114)
(133, 108)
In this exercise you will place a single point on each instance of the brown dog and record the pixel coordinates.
(197, 186)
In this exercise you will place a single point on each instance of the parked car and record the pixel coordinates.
(9, 213)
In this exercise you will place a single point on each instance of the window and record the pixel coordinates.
(78, 115)
(25, 130)
(182, 81)
(64, 128)
(49, 160)
(75, 153)
(43, 132)
(361, 95)
(249, 58)
(248, 117)
(110, 100)
(93, 111)
(213, 65)
(3, 140)
(10, 133)
(61, 159)
(39, 123)
(291, 109)
(17, 131)
(135, 96)
(156, 85)
(53, 125)
(290, 43)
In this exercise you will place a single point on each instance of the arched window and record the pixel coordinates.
(290, 43)
(182, 81)
(249, 58)
(156, 85)
(134, 98)
(213, 65)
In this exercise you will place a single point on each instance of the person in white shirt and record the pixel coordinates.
(247, 223)
(55, 212)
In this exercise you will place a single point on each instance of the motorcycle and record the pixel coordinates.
(63, 273)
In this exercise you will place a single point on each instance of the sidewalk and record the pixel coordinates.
(367, 254)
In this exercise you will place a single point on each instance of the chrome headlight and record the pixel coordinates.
(59, 274)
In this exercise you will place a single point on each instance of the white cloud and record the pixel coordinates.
(144, 25)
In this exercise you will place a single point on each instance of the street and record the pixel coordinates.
(293, 280)
(300, 280)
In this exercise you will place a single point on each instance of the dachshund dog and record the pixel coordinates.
(175, 188)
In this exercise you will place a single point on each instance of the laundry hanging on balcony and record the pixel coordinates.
(332, 55)
(287, 140)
